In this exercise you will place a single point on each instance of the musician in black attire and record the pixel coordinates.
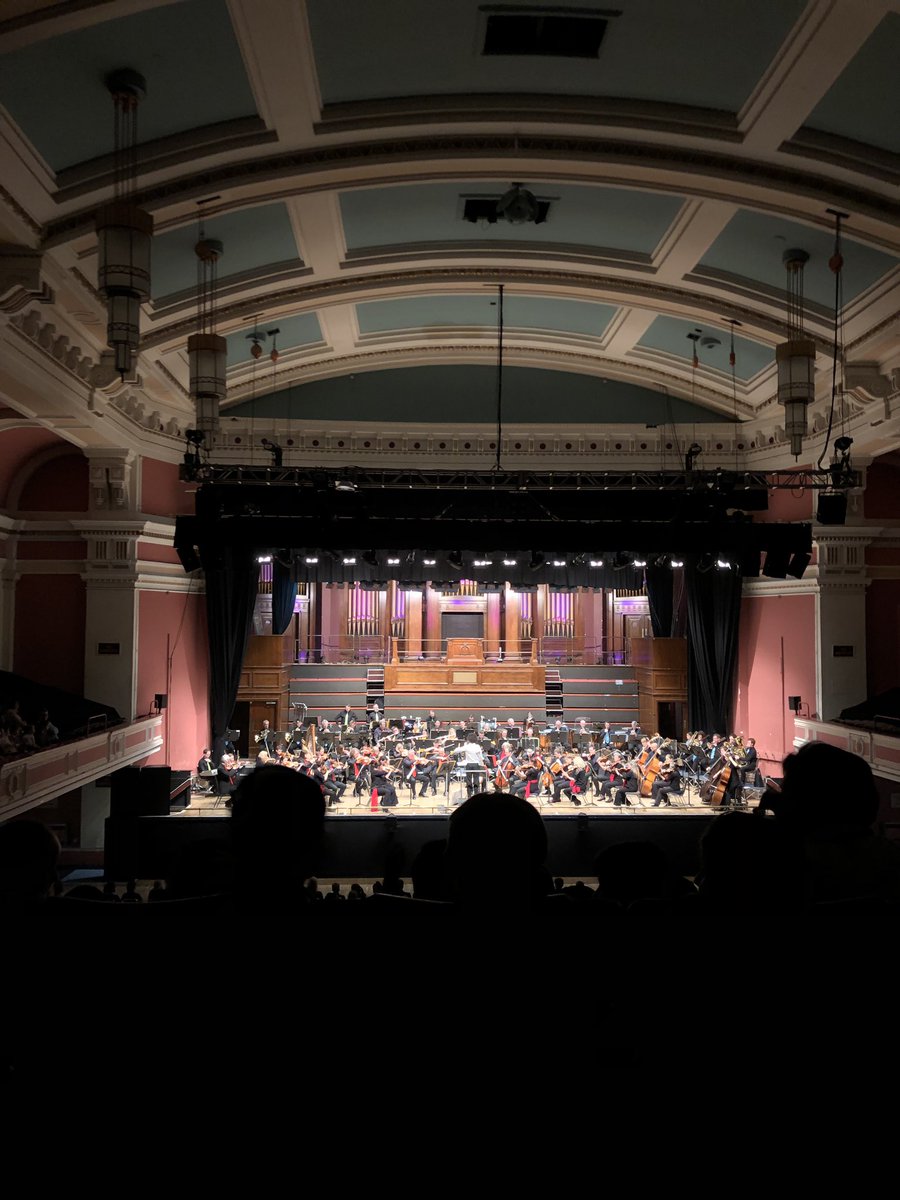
(667, 784)
(226, 775)
(751, 762)
(265, 739)
(382, 785)
(205, 765)
(615, 777)
(346, 718)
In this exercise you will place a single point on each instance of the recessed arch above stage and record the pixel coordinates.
(467, 393)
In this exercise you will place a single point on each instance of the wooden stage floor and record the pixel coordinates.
(440, 805)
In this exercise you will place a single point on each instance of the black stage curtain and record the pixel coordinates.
(231, 583)
(284, 592)
(713, 612)
(660, 598)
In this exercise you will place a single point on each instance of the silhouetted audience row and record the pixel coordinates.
(810, 846)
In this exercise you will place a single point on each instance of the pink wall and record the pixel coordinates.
(882, 635)
(51, 550)
(16, 447)
(49, 631)
(767, 624)
(162, 492)
(882, 490)
(60, 485)
(153, 552)
(180, 618)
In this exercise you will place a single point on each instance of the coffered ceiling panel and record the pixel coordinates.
(187, 52)
(713, 346)
(619, 219)
(652, 50)
(519, 312)
(864, 102)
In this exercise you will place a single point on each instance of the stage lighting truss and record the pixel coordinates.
(492, 481)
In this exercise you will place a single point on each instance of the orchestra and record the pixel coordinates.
(621, 767)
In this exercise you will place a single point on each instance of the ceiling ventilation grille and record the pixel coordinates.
(544, 33)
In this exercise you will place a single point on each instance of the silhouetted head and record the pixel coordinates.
(29, 852)
(277, 821)
(496, 849)
(825, 786)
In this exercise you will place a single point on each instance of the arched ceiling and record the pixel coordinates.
(335, 144)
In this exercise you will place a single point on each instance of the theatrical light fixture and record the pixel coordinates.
(639, 562)
(509, 562)
(344, 483)
(482, 562)
(559, 562)
(275, 450)
(124, 231)
(264, 558)
(393, 562)
(796, 358)
(349, 562)
(677, 562)
(310, 561)
(596, 562)
(723, 564)
(429, 562)
(798, 564)
(518, 206)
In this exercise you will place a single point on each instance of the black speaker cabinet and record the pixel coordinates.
(141, 792)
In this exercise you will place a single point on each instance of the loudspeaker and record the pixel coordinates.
(832, 508)
(162, 700)
(798, 565)
(794, 703)
(140, 792)
(776, 564)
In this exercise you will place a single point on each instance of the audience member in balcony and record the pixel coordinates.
(27, 741)
(13, 719)
(156, 893)
(496, 849)
(131, 895)
(46, 733)
(29, 854)
(109, 892)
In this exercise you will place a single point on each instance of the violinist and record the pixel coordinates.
(381, 783)
(572, 779)
(526, 776)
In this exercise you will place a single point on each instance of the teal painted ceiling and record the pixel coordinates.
(752, 243)
(857, 105)
(461, 394)
(519, 312)
(293, 332)
(710, 56)
(671, 335)
(620, 219)
(187, 51)
(253, 239)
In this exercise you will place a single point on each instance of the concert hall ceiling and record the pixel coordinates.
(336, 148)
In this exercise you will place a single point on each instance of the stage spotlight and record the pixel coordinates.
(596, 562)
(455, 560)
(676, 562)
(311, 560)
(537, 560)
(559, 562)
(640, 562)
(429, 562)
(798, 565)
(370, 558)
(349, 562)
(723, 564)
(509, 562)
(776, 564)
(393, 562)
(751, 560)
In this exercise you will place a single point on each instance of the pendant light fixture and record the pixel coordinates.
(206, 350)
(124, 231)
(796, 358)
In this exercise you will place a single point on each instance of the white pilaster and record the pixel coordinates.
(841, 618)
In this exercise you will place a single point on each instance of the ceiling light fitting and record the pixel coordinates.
(206, 350)
(124, 230)
(796, 358)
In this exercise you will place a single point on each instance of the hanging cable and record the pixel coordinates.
(836, 264)
(499, 372)
(732, 362)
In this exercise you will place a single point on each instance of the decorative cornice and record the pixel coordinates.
(9, 200)
(867, 382)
